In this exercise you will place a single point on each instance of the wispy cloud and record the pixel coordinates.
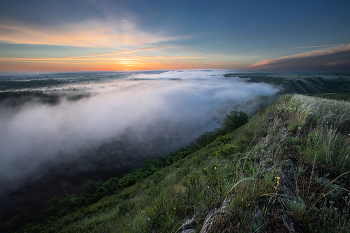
(92, 33)
(94, 58)
(94, 63)
(329, 56)
(321, 46)
(154, 48)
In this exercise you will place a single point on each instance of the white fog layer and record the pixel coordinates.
(173, 107)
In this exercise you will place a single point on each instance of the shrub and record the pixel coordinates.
(90, 188)
(235, 120)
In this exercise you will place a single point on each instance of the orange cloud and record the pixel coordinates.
(92, 33)
(122, 65)
(94, 63)
(294, 59)
(135, 50)
(94, 58)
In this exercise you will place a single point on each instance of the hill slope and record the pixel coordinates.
(292, 83)
(285, 170)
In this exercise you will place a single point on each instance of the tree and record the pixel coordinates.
(235, 120)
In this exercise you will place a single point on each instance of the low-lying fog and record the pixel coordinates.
(123, 122)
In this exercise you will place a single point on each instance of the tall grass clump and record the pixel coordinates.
(325, 125)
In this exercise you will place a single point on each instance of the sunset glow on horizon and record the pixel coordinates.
(87, 35)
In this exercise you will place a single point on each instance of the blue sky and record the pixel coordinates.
(269, 36)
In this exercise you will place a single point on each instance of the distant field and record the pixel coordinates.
(302, 83)
(334, 96)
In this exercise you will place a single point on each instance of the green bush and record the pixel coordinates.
(235, 120)
(90, 188)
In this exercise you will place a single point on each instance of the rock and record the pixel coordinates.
(288, 192)
(189, 225)
(211, 220)
(292, 165)
(286, 181)
(188, 231)
(288, 222)
(258, 218)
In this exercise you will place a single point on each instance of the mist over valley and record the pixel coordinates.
(58, 131)
(94, 126)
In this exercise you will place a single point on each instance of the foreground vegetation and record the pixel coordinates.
(286, 169)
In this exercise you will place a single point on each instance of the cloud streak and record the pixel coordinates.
(95, 58)
(91, 33)
(338, 56)
(136, 50)
(322, 46)
(114, 56)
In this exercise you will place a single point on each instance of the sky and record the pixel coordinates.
(119, 35)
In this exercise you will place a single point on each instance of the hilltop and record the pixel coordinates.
(286, 169)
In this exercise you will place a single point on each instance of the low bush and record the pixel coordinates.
(235, 120)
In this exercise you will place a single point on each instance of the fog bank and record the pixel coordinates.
(123, 122)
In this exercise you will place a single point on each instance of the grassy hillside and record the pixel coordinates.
(302, 83)
(284, 170)
(334, 96)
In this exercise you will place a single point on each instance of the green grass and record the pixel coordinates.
(334, 96)
(235, 182)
